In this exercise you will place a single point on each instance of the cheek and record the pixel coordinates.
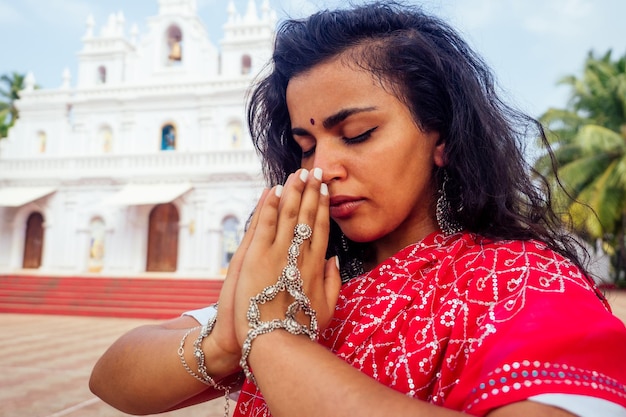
(307, 164)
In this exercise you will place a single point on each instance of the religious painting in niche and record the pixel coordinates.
(163, 239)
(246, 64)
(168, 138)
(235, 132)
(105, 137)
(102, 74)
(230, 240)
(33, 242)
(174, 38)
(41, 141)
(96, 245)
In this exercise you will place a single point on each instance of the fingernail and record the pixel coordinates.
(324, 189)
(337, 261)
(304, 174)
(317, 173)
(278, 190)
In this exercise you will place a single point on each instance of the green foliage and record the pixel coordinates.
(589, 144)
(10, 87)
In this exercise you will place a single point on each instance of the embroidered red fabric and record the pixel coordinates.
(473, 325)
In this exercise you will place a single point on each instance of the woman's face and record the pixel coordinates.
(377, 163)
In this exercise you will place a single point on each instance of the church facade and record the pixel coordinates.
(145, 165)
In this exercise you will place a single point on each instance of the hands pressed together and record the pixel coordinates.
(141, 372)
(263, 254)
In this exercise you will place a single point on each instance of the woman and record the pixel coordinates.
(450, 285)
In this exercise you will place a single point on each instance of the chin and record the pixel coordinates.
(361, 236)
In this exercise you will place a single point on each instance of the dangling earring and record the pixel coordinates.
(446, 220)
(351, 263)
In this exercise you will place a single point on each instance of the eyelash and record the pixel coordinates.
(349, 141)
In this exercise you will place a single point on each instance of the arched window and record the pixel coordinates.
(235, 132)
(96, 245)
(105, 138)
(163, 238)
(246, 64)
(33, 241)
(41, 141)
(168, 137)
(230, 239)
(102, 74)
(174, 41)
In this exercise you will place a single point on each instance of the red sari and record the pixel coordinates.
(473, 325)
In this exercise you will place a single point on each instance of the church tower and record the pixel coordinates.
(246, 39)
(104, 58)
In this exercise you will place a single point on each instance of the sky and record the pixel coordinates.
(530, 44)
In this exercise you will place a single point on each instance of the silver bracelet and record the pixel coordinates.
(199, 354)
(290, 281)
(204, 377)
(181, 355)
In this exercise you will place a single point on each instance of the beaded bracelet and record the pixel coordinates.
(204, 377)
(181, 355)
(289, 280)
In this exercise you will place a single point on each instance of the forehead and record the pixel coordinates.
(334, 83)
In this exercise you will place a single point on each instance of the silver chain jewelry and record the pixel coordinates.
(181, 355)
(290, 281)
(198, 353)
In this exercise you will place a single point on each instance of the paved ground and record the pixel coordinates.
(45, 362)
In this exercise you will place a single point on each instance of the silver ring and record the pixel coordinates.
(302, 231)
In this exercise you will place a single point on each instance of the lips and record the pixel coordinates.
(343, 206)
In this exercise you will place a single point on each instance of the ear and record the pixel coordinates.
(439, 154)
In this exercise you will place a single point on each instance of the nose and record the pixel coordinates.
(331, 158)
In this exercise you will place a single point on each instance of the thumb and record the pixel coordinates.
(332, 282)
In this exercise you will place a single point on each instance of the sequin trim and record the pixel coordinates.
(525, 374)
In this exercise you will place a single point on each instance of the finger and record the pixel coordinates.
(309, 206)
(290, 207)
(235, 262)
(290, 178)
(321, 224)
(332, 282)
(265, 229)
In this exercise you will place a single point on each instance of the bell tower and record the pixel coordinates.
(104, 58)
(247, 41)
(178, 7)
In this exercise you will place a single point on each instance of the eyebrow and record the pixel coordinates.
(335, 119)
(340, 116)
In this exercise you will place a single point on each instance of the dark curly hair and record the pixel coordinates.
(447, 87)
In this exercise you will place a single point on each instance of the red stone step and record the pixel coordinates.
(90, 311)
(106, 296)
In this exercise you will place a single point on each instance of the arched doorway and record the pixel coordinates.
(163, 239)
(33, 242)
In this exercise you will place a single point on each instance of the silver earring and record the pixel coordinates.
(446, 220)
(351, 264)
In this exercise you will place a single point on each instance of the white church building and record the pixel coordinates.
(144, 165)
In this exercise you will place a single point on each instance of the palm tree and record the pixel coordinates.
(10, 87)
(589, 143)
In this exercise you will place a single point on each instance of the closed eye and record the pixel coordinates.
(349, 141)
(360, 138)
(309, 153)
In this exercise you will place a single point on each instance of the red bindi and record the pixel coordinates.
(312, 121)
